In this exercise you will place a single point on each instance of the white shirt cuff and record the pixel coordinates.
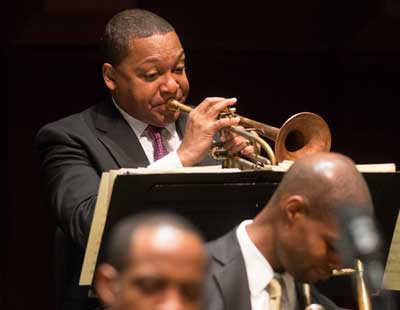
(170, 161)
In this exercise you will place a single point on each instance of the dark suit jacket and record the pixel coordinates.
(227, 285)
(74, 151)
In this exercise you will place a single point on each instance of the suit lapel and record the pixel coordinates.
(233, 283)
(231, 278)
(120, 140)
(118, 137)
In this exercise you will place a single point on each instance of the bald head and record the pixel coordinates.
(122, 238)
(298, 229)
(326, 181)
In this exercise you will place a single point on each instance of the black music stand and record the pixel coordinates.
(217, 202)
(214, 202)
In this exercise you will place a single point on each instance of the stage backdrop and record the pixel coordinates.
(340, 60)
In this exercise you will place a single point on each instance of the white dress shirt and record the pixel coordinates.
(260, 273)
(170, 138)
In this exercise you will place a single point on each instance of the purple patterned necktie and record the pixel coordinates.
(158, 145)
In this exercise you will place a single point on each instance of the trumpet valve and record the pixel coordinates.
(229, 112)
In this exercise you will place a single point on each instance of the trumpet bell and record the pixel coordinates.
(301, 134)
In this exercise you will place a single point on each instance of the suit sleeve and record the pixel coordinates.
(70, 181)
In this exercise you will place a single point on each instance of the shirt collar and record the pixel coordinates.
(259, 271)
(138, 126)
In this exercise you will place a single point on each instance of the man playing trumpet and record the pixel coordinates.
(144, 66)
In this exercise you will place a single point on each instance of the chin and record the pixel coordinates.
(162, 122)
(164, 118)
(169, 118)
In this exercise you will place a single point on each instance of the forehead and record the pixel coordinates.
(159, 46)
(167, 249)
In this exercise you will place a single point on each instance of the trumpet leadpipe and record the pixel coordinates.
(175, 105)
(343, 272)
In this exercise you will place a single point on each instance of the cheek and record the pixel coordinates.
(290, 259)
(317, 251)
(290, 248)
(184, 85)
(140, 91)
(305, 248)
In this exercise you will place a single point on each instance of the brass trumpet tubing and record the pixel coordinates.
(307, 298)
(257, 139)
(307, 293)
(301, 134)
(364, 302)
(261, 160)
(264, 130)
(174, 104)
(343, 272)
(238, 162)
(363, 298)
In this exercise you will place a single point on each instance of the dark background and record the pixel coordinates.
(340, 60)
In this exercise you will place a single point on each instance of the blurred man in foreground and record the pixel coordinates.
(153, 261)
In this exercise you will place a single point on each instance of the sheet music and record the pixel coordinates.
(383, 167)
(200, 169)
(389, 167)
(97, 228)
(391, 278)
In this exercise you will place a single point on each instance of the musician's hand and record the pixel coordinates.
(235, 143)
(202, 125)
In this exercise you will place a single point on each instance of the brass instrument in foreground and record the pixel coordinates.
(301, 134)
(363, 298)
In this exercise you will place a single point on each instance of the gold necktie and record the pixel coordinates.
(275, 293)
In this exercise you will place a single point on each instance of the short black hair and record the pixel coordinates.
(127, 25)
(117, 250)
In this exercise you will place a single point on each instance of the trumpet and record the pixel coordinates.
(363, 298)
(301, 134)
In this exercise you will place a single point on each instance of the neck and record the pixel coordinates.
(262, 233)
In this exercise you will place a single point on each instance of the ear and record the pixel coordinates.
(109, 76)
(295, 208)
(106, 284)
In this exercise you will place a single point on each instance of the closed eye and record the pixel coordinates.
(151, 76)
(179, 69)
(150, 286)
